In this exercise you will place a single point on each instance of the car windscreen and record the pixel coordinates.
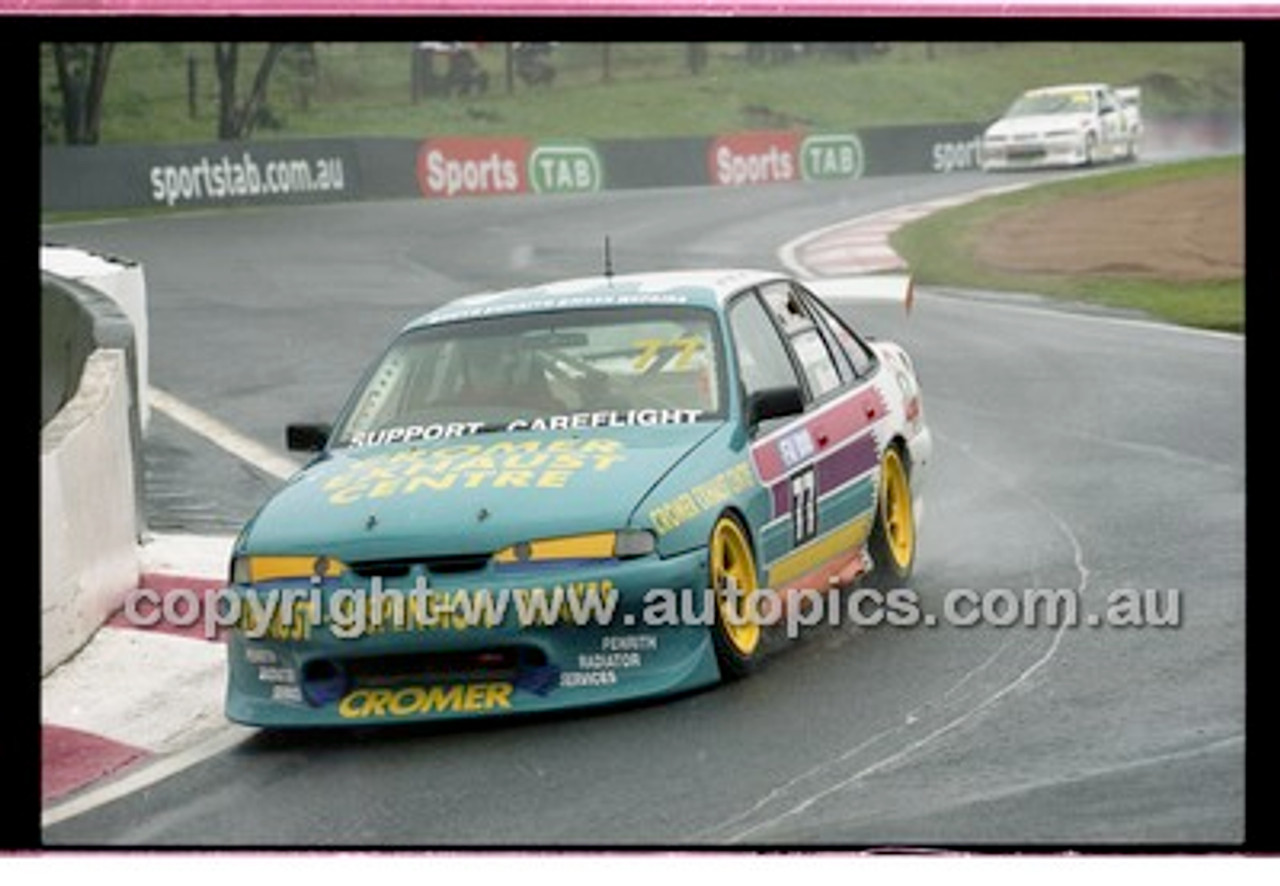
(1036, 103)
(559, 370)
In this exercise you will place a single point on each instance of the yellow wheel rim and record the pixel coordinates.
(895, 505)
(732, 566)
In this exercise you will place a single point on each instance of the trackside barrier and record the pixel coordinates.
(123, 282)
(301, 171)
(90, 457)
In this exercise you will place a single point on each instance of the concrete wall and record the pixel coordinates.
(101, 277)
(88, 513)
(90, 452)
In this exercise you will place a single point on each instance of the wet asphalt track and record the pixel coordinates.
(1075, 452)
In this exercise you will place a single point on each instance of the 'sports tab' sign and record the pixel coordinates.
(757, 158)
(565, 168)
(753, 158)
(826, 157)
(474, 167)
(470, 167)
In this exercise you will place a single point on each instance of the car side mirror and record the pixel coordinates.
(773, 403)
(307, 437)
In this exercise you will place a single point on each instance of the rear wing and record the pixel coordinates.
(865, 288)
(1130, 96)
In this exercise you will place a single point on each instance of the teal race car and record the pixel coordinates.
(572, 494)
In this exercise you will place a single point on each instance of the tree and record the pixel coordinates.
(236, 121)
(82, 80)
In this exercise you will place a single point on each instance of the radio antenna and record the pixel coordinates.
(608, 259)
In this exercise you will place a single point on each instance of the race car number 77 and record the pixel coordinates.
(804, 506)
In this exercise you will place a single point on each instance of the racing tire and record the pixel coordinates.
(736, 634)
(893, 535)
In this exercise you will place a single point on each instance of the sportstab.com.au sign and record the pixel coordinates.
(228, 178)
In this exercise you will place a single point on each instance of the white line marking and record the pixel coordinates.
(1082, 571)
(886, 220)
(1060, 311)
(223, 740)
(186, 555)
(249, 450)
(778, 793)
(169, 693)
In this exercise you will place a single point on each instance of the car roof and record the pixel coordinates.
(699, 288)
(1065, 87)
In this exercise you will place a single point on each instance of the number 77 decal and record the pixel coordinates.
(804, 506)
(650, 348)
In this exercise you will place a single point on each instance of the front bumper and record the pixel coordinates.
(1031, 154)
(453, 664)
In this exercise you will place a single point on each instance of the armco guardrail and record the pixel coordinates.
(308, 171)
(90, 456)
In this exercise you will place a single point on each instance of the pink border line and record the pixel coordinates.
(791, 8)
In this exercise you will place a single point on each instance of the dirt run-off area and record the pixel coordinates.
(1188, 230)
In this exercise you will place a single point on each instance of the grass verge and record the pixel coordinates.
(940, 252)
(166, 92)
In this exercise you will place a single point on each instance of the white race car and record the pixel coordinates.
(1074, 125)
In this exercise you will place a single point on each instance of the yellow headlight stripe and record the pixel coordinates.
(271, 568)
(593, 546)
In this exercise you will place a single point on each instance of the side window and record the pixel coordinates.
(843, 364)
(762, 358)
(787, 307)
(815, 360)
(859, 355)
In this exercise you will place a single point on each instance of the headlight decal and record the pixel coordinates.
(254, 569)
(593, 546)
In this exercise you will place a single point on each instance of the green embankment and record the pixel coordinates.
(635, 90)
(940, 250)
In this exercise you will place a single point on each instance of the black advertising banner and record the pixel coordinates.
(215, 174)
(909, 150)
(309, 171)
